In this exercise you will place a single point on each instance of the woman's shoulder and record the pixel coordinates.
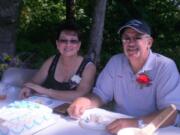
(87, 64)
(48, 62)
(50, 59)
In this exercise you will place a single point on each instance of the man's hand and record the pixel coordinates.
(77, 108)
(121, 123)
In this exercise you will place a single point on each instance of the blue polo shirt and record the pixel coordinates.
(118, 82)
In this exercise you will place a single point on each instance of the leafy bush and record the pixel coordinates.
(39, 51)
(19, 60)
(39, 18)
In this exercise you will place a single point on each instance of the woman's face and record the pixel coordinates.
(68, 43)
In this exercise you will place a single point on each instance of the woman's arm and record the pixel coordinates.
(83, 88)
(39, 77)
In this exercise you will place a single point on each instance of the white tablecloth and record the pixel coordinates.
(68, 126)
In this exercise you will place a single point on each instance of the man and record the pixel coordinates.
(141, 83)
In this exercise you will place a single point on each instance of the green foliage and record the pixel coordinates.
(38, 12)
(39, 51)
(162, 15)
(39, 18)
(38, 22)
(7, 61)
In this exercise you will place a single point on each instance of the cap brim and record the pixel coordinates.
(129, 26)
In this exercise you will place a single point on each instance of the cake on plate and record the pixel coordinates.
(25, 118)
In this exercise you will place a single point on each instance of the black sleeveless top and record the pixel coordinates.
(50, 81)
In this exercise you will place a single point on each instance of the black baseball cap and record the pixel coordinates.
(137, 25)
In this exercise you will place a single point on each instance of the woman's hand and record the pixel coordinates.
(35, 87)
(118, 124)
(78, 107)
(25, 93)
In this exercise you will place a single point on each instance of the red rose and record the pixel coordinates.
(143, 79)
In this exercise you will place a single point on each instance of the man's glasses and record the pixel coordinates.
(65, 41)
(127, 40)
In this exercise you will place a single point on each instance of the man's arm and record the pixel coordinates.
(118, 124)
(170, 121)
(81, 104)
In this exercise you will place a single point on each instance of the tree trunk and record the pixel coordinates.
(9, 11)
(96, 34)
(70, 10)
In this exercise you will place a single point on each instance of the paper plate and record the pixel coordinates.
(91, 125)
(98, 119)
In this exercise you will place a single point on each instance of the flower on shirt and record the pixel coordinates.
(143, 79)
(75, 80)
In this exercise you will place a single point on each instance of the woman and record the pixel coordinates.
(66, 75)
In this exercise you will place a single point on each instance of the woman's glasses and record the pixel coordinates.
(65, 41)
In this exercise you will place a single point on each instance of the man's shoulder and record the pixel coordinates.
(162, 58)
(116, 61)
(164, 61)
(119, 57)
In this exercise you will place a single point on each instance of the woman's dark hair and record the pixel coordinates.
(68, 26)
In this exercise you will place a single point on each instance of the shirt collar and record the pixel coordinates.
(148, 66)
(149, 63)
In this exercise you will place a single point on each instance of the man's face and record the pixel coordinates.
(136, 45)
